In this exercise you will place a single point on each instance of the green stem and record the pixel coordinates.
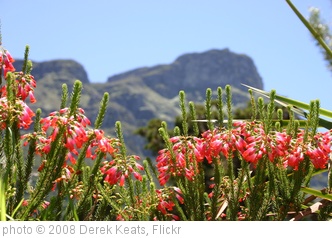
(208, 107)
(182, 96)
(55, 159)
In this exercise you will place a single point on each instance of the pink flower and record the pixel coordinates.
(32, 97)
(25, 203)
(295, 158)
(26, 116)
(71, 158)
(6, 61)
(178, 195)
(122, 180)
(241, 145)
(45, 204)
(112, 175)
(137, 176)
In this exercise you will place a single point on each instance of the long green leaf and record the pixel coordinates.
(317, 193)
(2, 202)
(297, 106)
(283, 123)
(318, 172)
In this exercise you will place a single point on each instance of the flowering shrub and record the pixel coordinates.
(236, 170)
(277, 163)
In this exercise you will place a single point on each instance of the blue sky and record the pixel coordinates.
(112, 36)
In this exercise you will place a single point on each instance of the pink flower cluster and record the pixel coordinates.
(76, 134)
(20, 111)
(178, 162)
(23, 85)
(118, 170)
(247, 140)
(166, 202)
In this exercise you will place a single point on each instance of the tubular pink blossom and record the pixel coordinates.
(122, 180)
(137, 176)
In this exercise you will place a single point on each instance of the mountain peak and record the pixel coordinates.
(67, 71)
(194, 72)
(221, 67)
(211, 52)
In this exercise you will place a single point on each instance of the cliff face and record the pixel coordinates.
(139, 95)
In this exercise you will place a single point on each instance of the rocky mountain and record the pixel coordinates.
(141, 94)
(197, 71)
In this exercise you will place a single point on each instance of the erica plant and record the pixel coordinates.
(277, 161)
